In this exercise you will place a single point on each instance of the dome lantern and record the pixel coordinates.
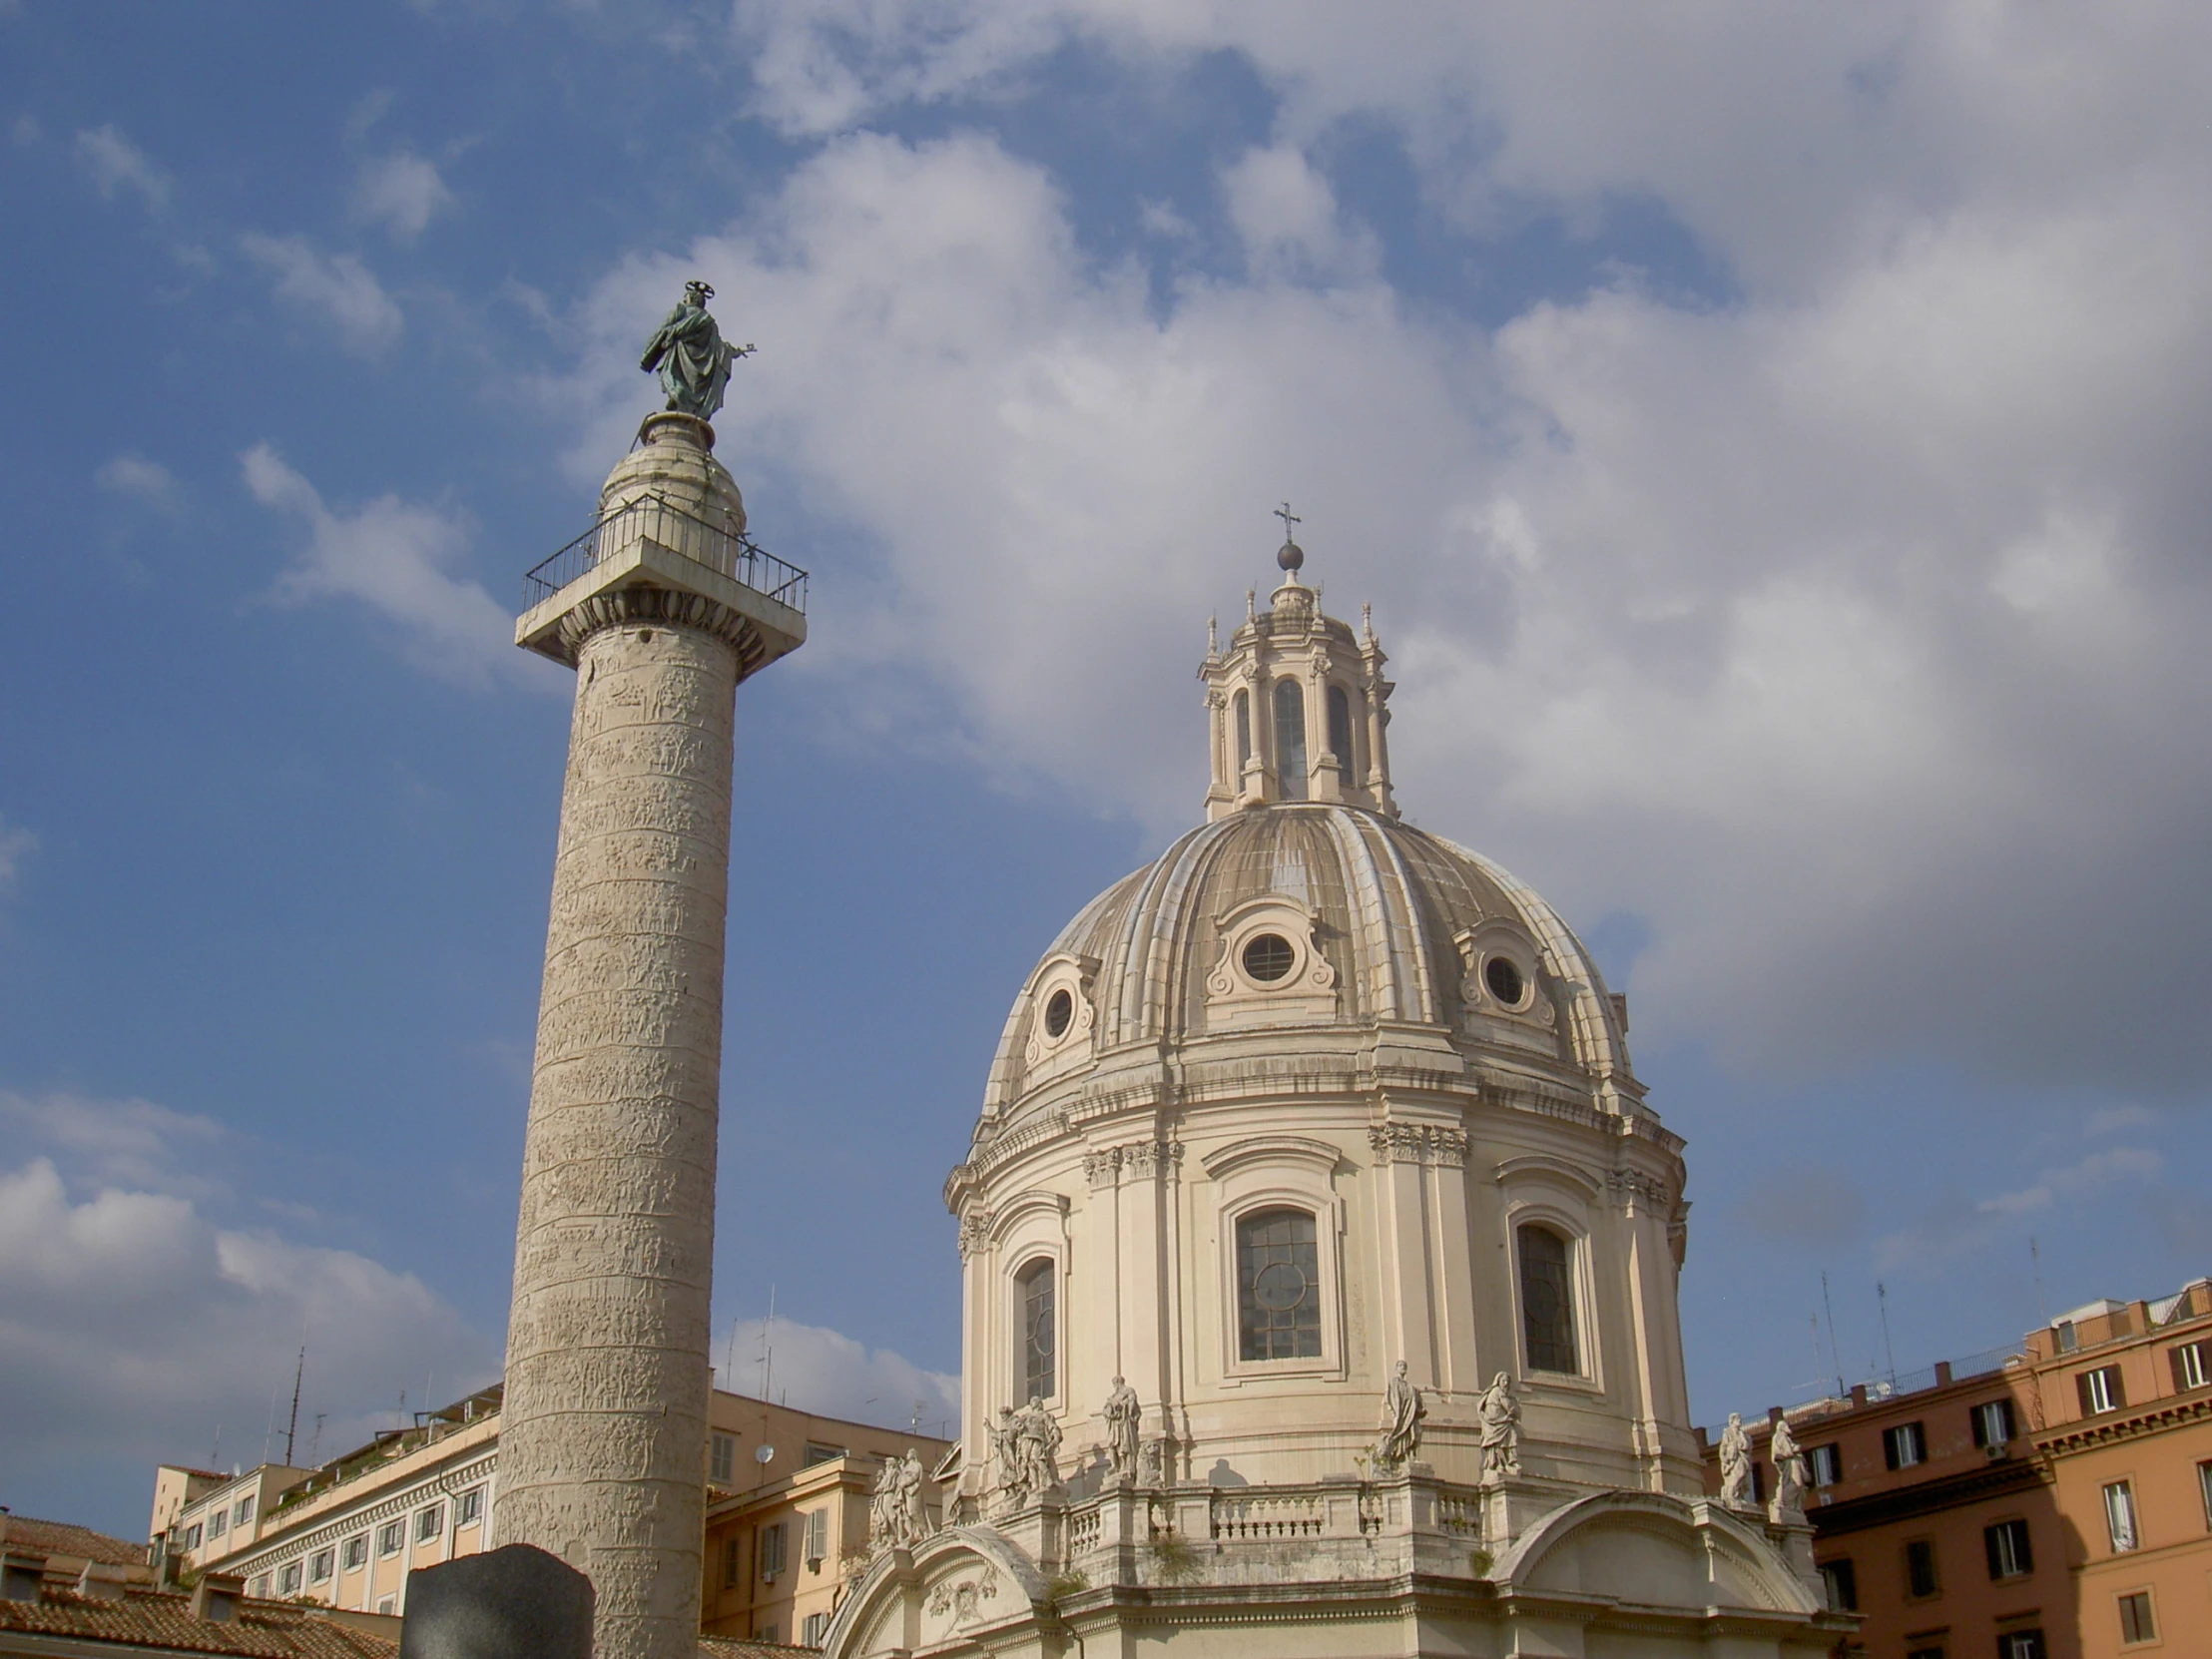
(1298, 704)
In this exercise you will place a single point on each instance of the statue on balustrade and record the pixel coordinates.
(1499, 1415)
(1402, 1412)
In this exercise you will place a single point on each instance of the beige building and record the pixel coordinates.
(784, 1547)
(1319, 1256)
(347, 1535)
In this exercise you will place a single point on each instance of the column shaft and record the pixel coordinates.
(605, 1421)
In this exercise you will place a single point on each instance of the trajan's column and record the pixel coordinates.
(660, 609)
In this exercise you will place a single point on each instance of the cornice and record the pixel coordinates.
(640, 603)
(2078, 1436)
(1924, 1496)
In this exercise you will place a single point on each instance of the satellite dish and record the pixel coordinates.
(764, 1454)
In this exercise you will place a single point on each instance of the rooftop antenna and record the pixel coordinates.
(215, 1457)
(2035, 1255)
(292, 1429)
(315, 1447)
(1832, 1353)
(731, 1368)
(1815, 1321)
(1882, 1296)
(768, 1345)
(270, 1433)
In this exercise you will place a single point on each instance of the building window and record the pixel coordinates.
(287, 1580)
(1993, 1422)
(1243, 730)
(1290, 738)
(391, 1537)
(770, 1552)
(730, 1561)
(2009, 1556)
(2021, 1644)
(1339, 726)
(2135, 1621)
(428, 1521)
(1924, 1653)
(1547, 1300)
(468, 1508)
(355, 1551)
(243, 1514)
(1903, 1446)
(814, 1547)
(219, 1521)
(191, 1536)
(1841, 1584)
(1825, 1464)
(722, 1460)
(819, 1454)
(814, 1629)
(1919, 1568)
(2100, 1391)
(1040, 1341)
(2204, 1490)
(1278, 1287)
(2119, 1517)
(2191, 1369)
(319, 1565)
(258, 1587)
(386, 1604)
(769, 1633)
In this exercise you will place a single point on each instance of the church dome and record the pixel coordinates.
(1332, 917)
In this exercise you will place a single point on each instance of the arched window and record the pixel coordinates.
(1339, 726)
(1547, 1300)
(1278, 1287)
(1244, 730)
(1290, 738)
(1040, 1340)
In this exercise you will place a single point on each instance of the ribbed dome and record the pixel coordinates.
(1404, 925)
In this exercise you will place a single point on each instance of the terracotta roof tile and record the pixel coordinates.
(44, 1537)
(161, 1618)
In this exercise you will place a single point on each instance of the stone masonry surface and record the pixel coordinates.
(607, 1365)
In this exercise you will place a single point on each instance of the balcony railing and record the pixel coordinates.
(651, 518)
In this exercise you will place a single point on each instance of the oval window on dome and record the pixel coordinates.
(1059, 1013)
(1268, 957)
(1505, 979)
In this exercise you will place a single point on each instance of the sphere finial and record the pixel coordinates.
(1289, 555)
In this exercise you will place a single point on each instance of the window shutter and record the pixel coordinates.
(1981, 1421)
(1996, 1558)
(1889, 1447)
(2081, 1387)
(2115, 1386)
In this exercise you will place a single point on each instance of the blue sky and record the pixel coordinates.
(1772, 443)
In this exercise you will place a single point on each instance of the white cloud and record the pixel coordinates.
(1845, 632)
(1955, 1229)
(401, 192)
(135, 476)
(396, 557)
(132, 1325)
(16, 845)
(127, 1142)
(1288, 220)
(821, 1371)
(115, 162)
(337, 287)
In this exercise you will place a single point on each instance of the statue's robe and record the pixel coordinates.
(694, 360)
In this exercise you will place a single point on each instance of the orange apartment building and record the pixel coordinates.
(2051, 1503)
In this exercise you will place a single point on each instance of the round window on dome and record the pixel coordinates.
(1505, 979)
(1059, 1013)
(1268, 957)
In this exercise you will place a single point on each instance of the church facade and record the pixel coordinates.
(1320, 1254)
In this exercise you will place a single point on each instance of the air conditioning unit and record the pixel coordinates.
(1997, 1454)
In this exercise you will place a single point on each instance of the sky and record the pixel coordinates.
(1770, 438)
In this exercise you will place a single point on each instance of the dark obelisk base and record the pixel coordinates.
(512, 1603)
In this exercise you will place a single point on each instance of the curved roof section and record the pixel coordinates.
(1390, 903)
